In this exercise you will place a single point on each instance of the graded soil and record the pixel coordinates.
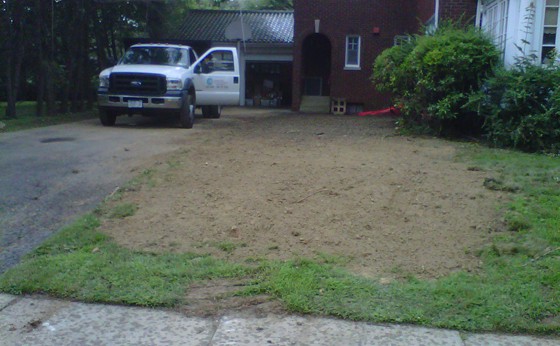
(347, 190)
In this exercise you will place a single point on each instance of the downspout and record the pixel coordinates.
(436, 14)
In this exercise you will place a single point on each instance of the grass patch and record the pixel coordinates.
(518, 289)
(493, 301)
(81, 263)
(26, 118)
(120, 211)
(226, 246)
(145, 178)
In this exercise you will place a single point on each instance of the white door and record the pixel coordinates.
(216, 77)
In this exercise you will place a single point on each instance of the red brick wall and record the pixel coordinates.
(426, 9)
(352, 17)
(358, 17)
(457, 9)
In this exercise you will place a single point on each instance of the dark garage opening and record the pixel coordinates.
(268, 84)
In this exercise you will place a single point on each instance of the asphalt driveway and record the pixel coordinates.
(49, 176)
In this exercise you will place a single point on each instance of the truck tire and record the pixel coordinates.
(107, 118)
(212, 112)
(186, 114)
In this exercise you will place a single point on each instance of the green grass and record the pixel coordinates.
(81, 263)
(120, 211)
(518, 289)
(26, 118)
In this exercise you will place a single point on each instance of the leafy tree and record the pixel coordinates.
(258, 4)
(433, 76)
(53, 50)
(521, 107)
(14, 19)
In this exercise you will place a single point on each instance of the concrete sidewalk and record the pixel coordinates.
(39, 321)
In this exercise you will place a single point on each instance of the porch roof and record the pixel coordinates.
(210, 25)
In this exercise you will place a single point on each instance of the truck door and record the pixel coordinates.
(216, 77)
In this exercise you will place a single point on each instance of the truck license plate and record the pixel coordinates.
(135, 104)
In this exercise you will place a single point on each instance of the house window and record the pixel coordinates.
(550, 29)
(353, 52)
(494, 22)
(400, 40)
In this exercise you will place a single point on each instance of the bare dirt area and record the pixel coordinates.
(278, 185)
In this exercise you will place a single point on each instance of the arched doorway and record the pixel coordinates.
(316, 51)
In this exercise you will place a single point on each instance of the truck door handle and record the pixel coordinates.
(235, 80)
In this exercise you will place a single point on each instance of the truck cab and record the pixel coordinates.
(153, 79)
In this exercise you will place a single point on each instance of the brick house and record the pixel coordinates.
(336, 43)
(321, 50)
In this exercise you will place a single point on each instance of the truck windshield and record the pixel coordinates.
(156, 56)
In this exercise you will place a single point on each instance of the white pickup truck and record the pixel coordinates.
(151, 79)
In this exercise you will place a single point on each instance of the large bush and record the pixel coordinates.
(432, 77)
(521, 106)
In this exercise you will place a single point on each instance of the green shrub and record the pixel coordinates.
(433, 76)
(522, 106)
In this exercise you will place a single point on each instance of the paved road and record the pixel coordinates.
(49, 176)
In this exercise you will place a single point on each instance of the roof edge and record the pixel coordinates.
(244, 11)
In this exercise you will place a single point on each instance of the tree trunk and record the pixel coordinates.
(11, 98)
(39, 46)
(14, 55)
(49, 77)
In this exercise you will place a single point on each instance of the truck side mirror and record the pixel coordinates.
(197, 69)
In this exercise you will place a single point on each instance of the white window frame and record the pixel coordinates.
(494, 20)
(400, 40)
(352, 46)
(543, 27)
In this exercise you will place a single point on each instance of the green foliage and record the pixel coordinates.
(521, 106)
(120, 211)
(433, 76)
(27, 119)
(270, 4)
(506, 299)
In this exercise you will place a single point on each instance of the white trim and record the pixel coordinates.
(436, 14)
(355, 66)
(494, 20)
(242, 72)
(521, 27)
(263, 57)
(541, 27)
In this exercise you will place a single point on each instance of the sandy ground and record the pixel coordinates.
(278, 185)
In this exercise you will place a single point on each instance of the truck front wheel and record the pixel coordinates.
(107, 118)
(186, 114)
(212, 112)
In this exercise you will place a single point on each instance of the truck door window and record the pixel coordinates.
(223, 61)
(218, 61)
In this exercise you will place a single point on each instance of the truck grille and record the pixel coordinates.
(137, 83)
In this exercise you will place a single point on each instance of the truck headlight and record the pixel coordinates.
(174, 84)
(104, 81)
